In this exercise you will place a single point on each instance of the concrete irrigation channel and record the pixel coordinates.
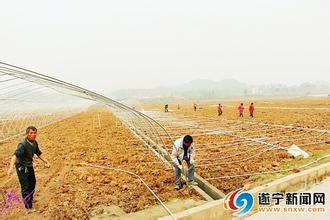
(142, 130)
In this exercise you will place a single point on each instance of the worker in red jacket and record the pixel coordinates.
(251, 109)
(241, 110)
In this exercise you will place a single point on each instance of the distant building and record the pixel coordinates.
(256, 91)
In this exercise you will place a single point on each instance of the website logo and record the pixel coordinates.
(239, 202)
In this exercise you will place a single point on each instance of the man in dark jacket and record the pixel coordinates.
(23, 160)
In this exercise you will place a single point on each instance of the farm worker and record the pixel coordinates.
(241, 110)
(220, 109)
(166, 108)
(195, 107)
(251, 109)
(183, 150)
(23, 158)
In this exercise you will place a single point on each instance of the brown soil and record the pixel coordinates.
(68, 190)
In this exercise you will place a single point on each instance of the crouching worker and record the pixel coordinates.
(23, 158)
(183, 150)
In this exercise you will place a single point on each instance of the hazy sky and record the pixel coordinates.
(108, 45)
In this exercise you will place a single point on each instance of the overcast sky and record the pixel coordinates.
(109, 45)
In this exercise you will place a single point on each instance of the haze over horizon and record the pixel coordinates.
(198, 80)
(111, 45)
